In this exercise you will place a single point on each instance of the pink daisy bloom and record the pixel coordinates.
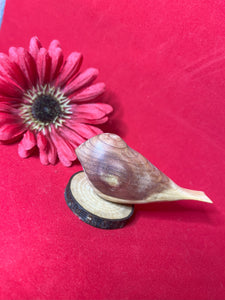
(43, 102)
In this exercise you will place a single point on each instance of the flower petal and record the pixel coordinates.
(54, 45)
(89, 93)
(56, 54)
(91, 110)
(52, 152)
(91, 121)
(69, 134)
(65, 151)
(43, 157)
(12, 70)
(29, 140)
(26, 63)
(9, 88)
(34, 47)
(11, 100)
(11, 131)
(70, 68)
(43, 66)
(80, 81)
(27, 144)
(5, 107)
(86, 131)
(42, 144)
(23, 153)
(10, 125)
(7, 118)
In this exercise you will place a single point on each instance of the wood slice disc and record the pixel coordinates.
(92, 209)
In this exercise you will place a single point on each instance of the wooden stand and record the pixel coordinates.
(92, 209)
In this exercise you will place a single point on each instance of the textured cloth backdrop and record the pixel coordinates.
(163, 63)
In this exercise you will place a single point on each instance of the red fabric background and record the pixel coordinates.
(164, 66)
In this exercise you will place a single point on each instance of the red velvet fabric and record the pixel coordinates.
(164, 66)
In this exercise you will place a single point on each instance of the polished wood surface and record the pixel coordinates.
(120, 174)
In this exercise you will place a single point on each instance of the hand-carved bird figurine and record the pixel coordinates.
(122, 175)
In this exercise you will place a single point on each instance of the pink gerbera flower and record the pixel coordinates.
(41, 102)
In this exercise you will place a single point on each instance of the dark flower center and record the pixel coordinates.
(45, 108)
